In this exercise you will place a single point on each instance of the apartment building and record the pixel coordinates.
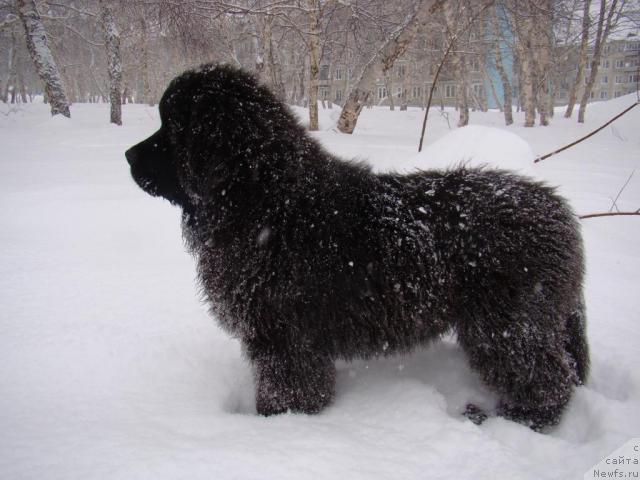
(618, 70)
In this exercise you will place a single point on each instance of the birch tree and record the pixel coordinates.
(607, 18)
(582, 61)
(313, 44)
(114, 60)
(524, 46)
(504, 78)
(11, 75)
(38, 46)
(455, 13)
(541, 45)
(267, 61)
(382, 61)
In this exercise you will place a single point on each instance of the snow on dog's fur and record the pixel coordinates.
(307, 258)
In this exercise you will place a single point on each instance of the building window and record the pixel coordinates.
(605, 79)
(398, 92)
(477, 89)
(619, 78)
(417, 92)
(603, 95)
(619, 63)
(324, 72)
(449, 91)
(401, 70)
(382, 93)
(338, 73)
(338, 95)
(324, 94)
(633, 78)
(605, 63)
(633, 46)
(607, 48)
(617, 94)
(592, 95)
(475, 65)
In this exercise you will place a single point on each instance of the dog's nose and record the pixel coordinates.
(131, 156)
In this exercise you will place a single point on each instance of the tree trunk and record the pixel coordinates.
(582, 63)
(404, 95)
(23, 88)
(601, 38)
(389, 88)
(527, 69)
(267, 65)
(459, 64)
(144, 56)
(383, 60)
(114, 60)
(541, 30)
(11, 68)
(38, 46)
(504, 78)
(314, 62)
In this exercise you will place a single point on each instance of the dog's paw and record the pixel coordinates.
(475, 414)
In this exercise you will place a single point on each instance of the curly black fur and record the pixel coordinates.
(307, 258)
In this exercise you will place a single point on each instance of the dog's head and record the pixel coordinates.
(216, 121)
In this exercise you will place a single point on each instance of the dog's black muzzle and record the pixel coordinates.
(153, 168)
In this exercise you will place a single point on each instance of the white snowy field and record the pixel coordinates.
(111, 368)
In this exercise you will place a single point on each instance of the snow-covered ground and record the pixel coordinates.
(110, 367)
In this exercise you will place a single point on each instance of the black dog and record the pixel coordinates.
(307, 258)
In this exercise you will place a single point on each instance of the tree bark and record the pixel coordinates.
(38, 46)
(382, 61)
(114, 60)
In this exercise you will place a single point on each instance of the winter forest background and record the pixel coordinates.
(525, 55)
(111, 367)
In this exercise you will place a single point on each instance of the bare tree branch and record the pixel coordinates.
(609, 214)
(544, 157)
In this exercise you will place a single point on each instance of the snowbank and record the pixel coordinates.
(476, 146)
(110, 367)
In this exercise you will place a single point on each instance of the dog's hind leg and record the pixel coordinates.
(298, 382)
(576, 342)
(523, 357)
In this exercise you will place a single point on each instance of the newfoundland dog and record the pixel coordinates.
(307, 258)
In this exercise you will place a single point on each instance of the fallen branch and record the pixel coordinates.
(609, 214)
(544, 157)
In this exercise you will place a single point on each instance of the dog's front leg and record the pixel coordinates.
(298, 382)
